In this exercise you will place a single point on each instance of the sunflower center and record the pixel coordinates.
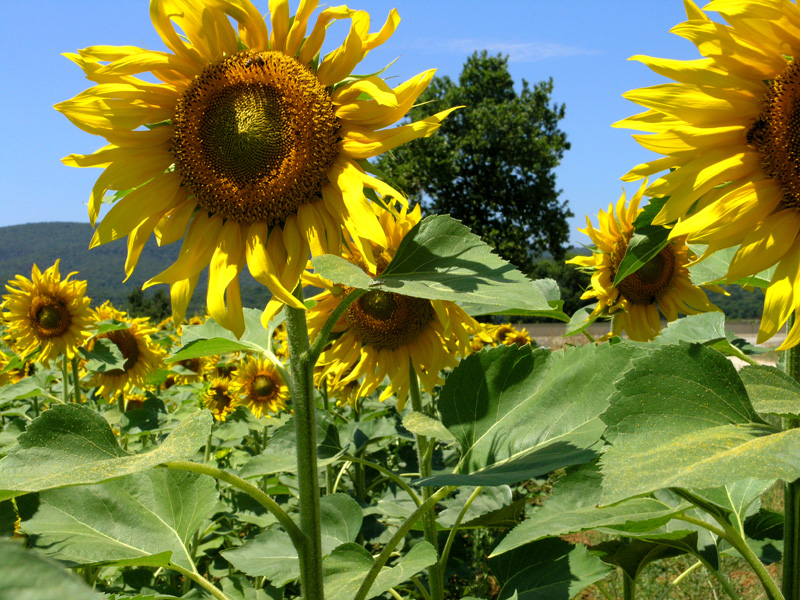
(263, 387)
(254, 137)
(126, 342)
(776, 133)
(652, 278)
(50, 317)
(388, 320)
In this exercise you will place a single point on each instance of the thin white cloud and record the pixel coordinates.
(516, 51)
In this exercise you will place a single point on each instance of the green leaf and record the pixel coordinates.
(440, 259)
(550, 569)
(422, 424)
(771, 391)
(105, 356)
(572, 507)
(25, 388)
(702, 328)
(633, 555)
(519, 412)
(346, 567)
(713, 268)
(489, 500)
(764, 531)
(682, 418)
(271, 554)
(580, 321)
(645, 245)
(280, 455)
(211, 338)
(144, 519)
(28, 575)
(736, 500)
(71, 444)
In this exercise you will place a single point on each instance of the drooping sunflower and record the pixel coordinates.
(727, 128)
(661, 285)
(48, 313)
(141, 355)
(219, 398)
(259, 386)
(252, 148)
(383, 332)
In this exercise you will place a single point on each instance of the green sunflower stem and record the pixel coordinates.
(301, 367)
(76, 380)
(791, 496)
(64, 379)
(424, 454)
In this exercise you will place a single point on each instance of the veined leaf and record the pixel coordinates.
(643, 247)
(29, 575)
(681, 418)
(441, 259)
(518, 413)
(713, 269)
(211, 338)
(771, 391)
(143, 519)
(71, 444)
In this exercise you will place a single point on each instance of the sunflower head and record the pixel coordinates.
(219, 398)
(140, 354)
(257, 156)
(47, 312)
(662, 285)
(259, 386)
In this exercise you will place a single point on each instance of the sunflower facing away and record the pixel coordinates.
(382, 331)
(731, 118)
(662, 284)
(47, 312)
(141, 355)
(218, 398)
(252, 148)
(259, 386)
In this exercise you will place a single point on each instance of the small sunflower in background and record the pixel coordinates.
(219, 398)
(47, 313)
(259, 386)
(254, 154)
(381, 333)
(728, 130)
(141, 355)
(190, 370)
(662, 285)
(224, 366)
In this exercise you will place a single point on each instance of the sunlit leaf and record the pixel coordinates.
(645, 245)
(771, 391)
(422, 424)
(71, 444)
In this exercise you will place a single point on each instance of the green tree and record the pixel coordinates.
(157, 307)
(491, 163)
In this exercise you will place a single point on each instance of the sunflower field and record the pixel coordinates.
(362, 434)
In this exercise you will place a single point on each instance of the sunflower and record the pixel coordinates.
(662, 284)
(727, 129)
(190, 370)
(259, 386)
(218, 398)
(221, 366)
(381, 333)
(48, 313)
(252, 148)
(141, 355)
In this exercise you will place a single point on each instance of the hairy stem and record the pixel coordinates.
(791, 496)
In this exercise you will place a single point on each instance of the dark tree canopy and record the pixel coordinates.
(491, 163)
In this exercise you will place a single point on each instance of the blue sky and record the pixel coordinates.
(582, 44)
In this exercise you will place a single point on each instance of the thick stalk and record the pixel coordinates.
(424, 453)
(628, 586)
(301, 370)
(76, 380)
(791, 496)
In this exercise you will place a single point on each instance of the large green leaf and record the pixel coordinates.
(272, 555)
(518, 413)
(440, 259)
(633, 555)
(550, 569)
(211, 338)
(71, 444)
(143, 519)
(771, 391)
(713, 269)
(645, 245)
(346, 567)
(488, 500)
(28, 575)
(572, 507)
(682, 418)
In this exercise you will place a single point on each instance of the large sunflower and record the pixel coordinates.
(731, 118)
(252, 148)
(382, 331)
(259, 386)
(47, 312)
(141, 355)
(662, 284)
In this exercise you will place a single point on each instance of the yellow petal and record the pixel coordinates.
(765, 245)
(372, 86)
(299, 25)
(261, 266)
(196, 252)
(279, 15)
(779, 298)
(340, 63)
(172, 225)
(180, 295)
(313, 43)
(136, 241)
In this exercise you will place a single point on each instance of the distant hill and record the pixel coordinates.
(103, 267)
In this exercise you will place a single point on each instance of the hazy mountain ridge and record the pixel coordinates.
(102, 267)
